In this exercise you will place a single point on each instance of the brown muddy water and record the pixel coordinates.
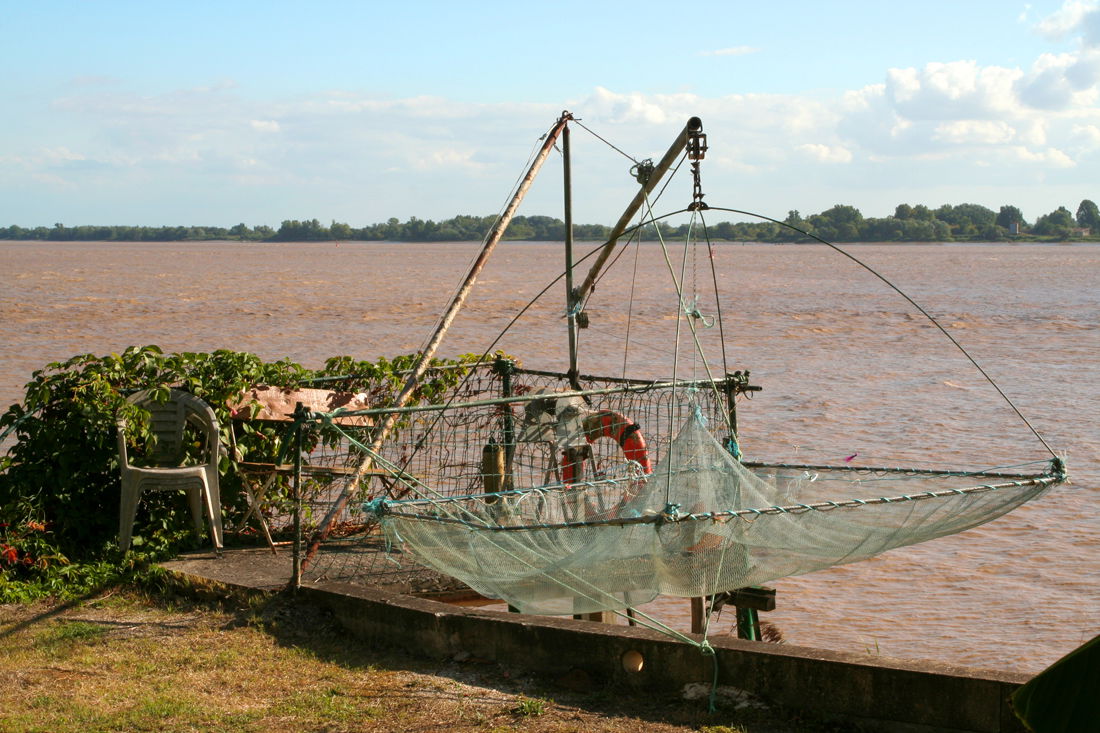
(847, 366)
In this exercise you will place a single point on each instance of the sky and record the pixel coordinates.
(218, 113)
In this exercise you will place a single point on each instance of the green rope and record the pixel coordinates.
(708, 650)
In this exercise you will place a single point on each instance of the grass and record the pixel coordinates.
(65, 634)
(132, 662)
(528, 706)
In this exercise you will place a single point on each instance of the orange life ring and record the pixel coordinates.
(608, 424)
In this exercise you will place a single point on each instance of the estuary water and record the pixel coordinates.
(848, 368)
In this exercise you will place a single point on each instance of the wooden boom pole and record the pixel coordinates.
(693, 126)
(433, 344)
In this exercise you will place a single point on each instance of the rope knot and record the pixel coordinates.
(377, 507)
(733, 448)
(642, 171)
(692, 311)
(1058, 467)
(671, 513)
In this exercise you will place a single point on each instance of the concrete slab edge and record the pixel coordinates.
(881, 693)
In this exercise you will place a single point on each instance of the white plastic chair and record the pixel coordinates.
(168, 421)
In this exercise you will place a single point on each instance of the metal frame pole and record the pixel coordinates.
(300, 415)
(571, 299)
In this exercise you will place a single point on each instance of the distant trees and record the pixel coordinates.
(61, 233)
(1088, 216)
(1009, 216)
(1058, 223)
(339, 231)
(969, 221)
(840, 223)
(794, 219)
(293, 230)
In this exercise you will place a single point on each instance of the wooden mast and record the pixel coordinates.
(433, 343)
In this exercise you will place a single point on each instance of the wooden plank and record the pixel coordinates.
(603, 617)
(277, 404)
(287, 469)
(758, 599)
(696, 615)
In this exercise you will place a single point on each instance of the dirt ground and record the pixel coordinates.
(126, 660)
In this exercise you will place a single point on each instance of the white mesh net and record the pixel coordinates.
(699, 524)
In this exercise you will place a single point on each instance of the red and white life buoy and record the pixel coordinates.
(608, 424)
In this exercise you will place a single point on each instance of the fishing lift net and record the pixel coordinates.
(562, 494)
(562, 498)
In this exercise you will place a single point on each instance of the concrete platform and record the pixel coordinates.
(879, 693)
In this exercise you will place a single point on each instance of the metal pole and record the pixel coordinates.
(732, 382)
(694, 125)
(748, 624)
(505, 368)
(445, 323)
(570, 297)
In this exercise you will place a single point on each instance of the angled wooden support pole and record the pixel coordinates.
(495, 235)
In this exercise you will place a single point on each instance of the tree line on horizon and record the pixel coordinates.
(841, 223)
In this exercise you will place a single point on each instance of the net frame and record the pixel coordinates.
(437, 508)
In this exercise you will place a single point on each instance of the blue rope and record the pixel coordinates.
(377, 507)
(712, 700)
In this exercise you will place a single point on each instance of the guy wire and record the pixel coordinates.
(913, 303)
(579, 124)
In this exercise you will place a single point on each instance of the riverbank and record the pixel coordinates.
(868, 690)
(126, 660)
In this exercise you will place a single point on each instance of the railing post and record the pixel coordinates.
(300, 415)
(506, 368)
(748, 623)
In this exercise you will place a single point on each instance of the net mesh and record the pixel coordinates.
(565, 501)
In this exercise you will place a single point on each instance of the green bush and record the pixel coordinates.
(59, 482)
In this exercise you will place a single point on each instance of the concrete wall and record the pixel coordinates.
(889, 694)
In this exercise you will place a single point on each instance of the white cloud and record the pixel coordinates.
(826, 153)
(59, 154)
(1090, 24)
(954, 90)
(1033, 132)
(1071, 79)
(1086, 136)
(634, 107)
(1084, 72)
(1052, 157)
(361, 158)
(52, 180)
(732, 51)
(1066, 20)
(980, 132)
(448, 158)
(1046, 86)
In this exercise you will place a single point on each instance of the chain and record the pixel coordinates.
(696, 151)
